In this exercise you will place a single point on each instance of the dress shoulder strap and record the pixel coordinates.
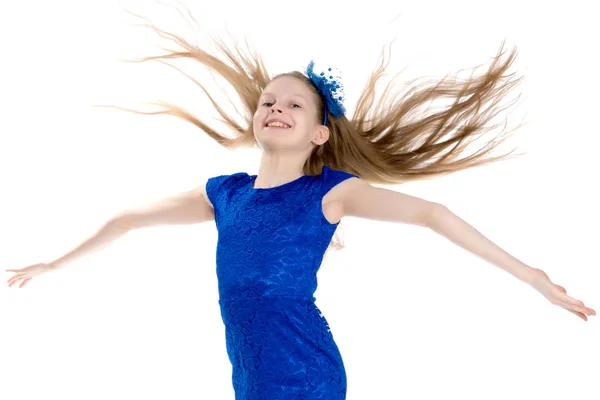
(331, 177)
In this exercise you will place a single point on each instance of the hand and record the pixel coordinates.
(558, 295)
(27, 273)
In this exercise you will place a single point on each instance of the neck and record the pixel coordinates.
(275, 171)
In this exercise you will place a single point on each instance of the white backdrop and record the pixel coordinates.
(415, 316)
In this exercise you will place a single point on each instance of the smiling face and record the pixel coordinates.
(293, 104)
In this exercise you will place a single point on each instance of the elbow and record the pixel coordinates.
(122, 223)
(435, 214)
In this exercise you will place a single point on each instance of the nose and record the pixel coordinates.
(274, 109)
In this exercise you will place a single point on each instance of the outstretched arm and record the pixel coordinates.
(360, 199)
(188, 207)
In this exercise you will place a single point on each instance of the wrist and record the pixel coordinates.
(528, 274)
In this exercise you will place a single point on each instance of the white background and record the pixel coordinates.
(415, 316)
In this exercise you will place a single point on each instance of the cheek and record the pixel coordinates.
(258, 118)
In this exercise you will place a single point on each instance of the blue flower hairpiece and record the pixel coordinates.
(330, 88)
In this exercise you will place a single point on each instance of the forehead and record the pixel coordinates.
(287, 85)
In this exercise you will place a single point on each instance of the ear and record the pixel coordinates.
(321, 135)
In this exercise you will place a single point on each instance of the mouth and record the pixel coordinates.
(277, 125)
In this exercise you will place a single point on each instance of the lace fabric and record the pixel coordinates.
(271, 243)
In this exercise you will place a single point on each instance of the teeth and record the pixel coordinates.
(278, 124)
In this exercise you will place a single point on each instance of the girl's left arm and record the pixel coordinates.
(360, 199)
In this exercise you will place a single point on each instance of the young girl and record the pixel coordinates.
(275, 227)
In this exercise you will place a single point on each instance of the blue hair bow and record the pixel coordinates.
(331, 90)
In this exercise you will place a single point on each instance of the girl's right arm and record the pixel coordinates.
(188, 207)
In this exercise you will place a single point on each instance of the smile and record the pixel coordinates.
(277, 124)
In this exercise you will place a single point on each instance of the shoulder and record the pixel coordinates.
(216, 185)
(335, 176)
(227, 178)
(340, 185)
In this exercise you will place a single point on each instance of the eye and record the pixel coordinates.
(295, 104)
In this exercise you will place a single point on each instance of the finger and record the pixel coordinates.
(571, 300)
(580, 315)
(578, 303)
(12, 280)
(589, 311)
(576, 310)
(15, 279)
(574, 307)
(24, 282)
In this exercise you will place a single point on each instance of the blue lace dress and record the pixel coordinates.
(271, 243)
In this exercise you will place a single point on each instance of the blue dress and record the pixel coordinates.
(271, 242)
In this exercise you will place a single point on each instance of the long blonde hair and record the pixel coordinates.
(387, 140)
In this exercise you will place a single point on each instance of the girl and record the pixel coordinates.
(275, 227)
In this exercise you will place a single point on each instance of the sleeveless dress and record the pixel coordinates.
(271, 243)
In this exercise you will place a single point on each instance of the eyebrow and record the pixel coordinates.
(294, 95)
